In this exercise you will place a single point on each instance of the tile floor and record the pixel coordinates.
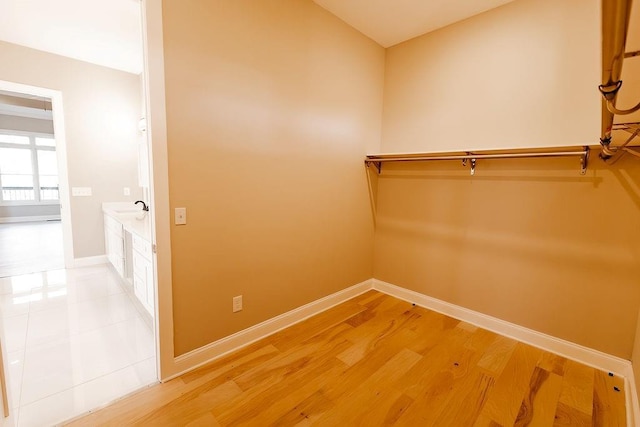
(74, 341)
(28, 247)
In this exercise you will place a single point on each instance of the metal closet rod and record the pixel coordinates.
(378, 159)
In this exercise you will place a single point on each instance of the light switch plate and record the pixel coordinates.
(127, 191)
(237, 303)
(81, 191)
(181, 216)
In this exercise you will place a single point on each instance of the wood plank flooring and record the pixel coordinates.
(376, 360)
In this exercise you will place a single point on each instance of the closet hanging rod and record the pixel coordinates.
(378, 159)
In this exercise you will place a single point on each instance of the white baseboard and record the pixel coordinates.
(584, 355)
(633, 405)
(203, 355)
(89, 261)
(34, 218)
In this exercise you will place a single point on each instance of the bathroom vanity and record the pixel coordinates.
(127, 236)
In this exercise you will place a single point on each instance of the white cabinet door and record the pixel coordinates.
(141, 256)
(143, 273)
(150, 293)
(141, 245)
(140, 288)
(114, 243)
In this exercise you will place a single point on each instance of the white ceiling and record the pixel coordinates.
(103, 32)
(390, 22)
(107, 32)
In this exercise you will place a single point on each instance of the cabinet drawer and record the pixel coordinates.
(141, 245)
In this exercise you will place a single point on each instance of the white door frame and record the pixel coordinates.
(61, 154)
(154, 92)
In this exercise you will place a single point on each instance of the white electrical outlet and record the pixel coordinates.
(181, 216)
(237, 303)
(127, 191)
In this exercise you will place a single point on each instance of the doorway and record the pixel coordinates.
(31, 238)
(33, 181)
(74, 337)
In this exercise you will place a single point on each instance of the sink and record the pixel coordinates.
(125, 215)
(123, 212)
(126, 210)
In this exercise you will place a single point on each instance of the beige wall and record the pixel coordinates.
(522, 75)
(528, 241)
(524, 241)
(101, 110)
(271, 107)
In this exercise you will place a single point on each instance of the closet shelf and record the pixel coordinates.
(472, 157)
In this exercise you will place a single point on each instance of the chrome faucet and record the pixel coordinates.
(144, 205)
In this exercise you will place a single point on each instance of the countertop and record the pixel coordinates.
(132, 218)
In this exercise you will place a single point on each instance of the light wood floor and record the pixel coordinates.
(376, 360)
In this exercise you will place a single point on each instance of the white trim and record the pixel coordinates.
(156, 115)
(633, 406)
(200, 356)
(33, 218)
(584, 355)
(89, 261)
(28, 112)
(63, 178)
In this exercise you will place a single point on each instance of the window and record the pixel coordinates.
(14, 139)
(28, 168)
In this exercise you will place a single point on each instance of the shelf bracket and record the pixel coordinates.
(378, 165)
(473, 163)
(584, 161)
